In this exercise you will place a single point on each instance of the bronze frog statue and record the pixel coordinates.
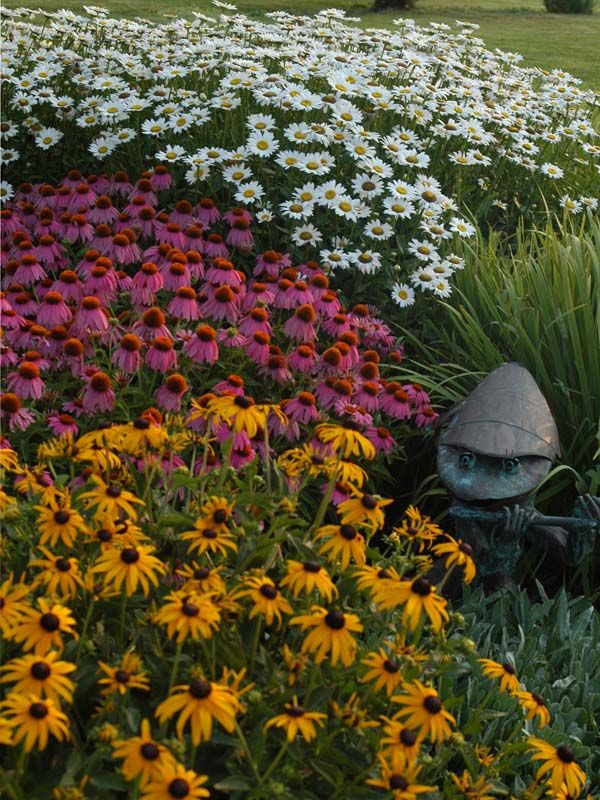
(499, 445)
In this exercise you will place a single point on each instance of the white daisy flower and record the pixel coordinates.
(306, 235)
(403, 295)
(48, 137)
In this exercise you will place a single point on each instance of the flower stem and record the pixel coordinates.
(247, 752)
(122, 617)
(175, 667)
(274, 763)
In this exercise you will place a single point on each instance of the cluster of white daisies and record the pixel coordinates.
(367, 148)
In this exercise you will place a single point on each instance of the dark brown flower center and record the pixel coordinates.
(122, 676)
(391, 665)
(465, 548)
(190, 609)
(408, 738)
(113, 491)
(39, 670)
(220, 516)
(348, 532)
(38, 710)
(61, 517)
(149, 751)
(201, 574)
(141, 424)
(179, 788)
(311, 566)
(296, 711)
(509, 669)
(369, 502)
(432, 704)
(565, 754)
(398, 782)
(104, 535)
(421, 586)
(209, 533)
(335, 620)
(269, 591)
(50, 622)
(199, 688)
(538, 699)
(62, 564)
(130, 555)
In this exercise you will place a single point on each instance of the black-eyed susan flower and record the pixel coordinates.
(110, 500)
(505, 673)
(331, 634)
(305, 460)
(418, 597)
(343, 543)
(352, 714)
(535, 706)
(44, 676)
(204, 537)
(384, 671)
(364, 509)
(399, 776)
(423, 711)
(174, 782)
(128, 675)
(198, 703)
(243, 413)
(12, 603)
(458, 553)
(6, 737)
(375, 579)
(142, 756)
(34, 720)
(472, 788)
(216, 512)
(108, 532)
(295, 663)
(203, 579)
(58, 521)
(297, 720)
(396, 736)
(42, 628)
(59, 574)
(417, 528)
(346, 441)
(130, 566)
(348, 472)
(267, 599)
(308, 576)
(560, 763)
(189, 615)
(143, 433)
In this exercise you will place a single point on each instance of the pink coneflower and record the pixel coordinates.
(358, 417)
(143, 188)
(230, 337)
(145, 218)
(53, 310)
(381, 438)
(256, 320)
(202, 346)
(11, 221)
(8, 357)
(350, 339)
(302, 408)
(63, 198)
(120, 185)
(331, 360)
(325, 394)
(78, 229)
(283, 296)
(46, 222)
(394, 401)
(184, 305)
(276, 368)
(151, 324)
(161, 180)
(82, 197)
(69, 285)
(183, 215)
(369, 371)
(127, 356)
(328, 305)
(195, 264)
(12, 412)
(170, 394)
(102, 241)
(424, 416)
(100, 184)
(146, 282)
(124, 248)
(300, 293)
(223, 305)
(4, 303)
(48, 250)
(223, 272)
(319, 284)
(57, 336)
(271, 262)
(161, 355)
(172, 234)
(240, 235)
(72, 179)
(90, 318)
(235, 214)
(176, 275)
(242, 457)
(63, 425)
(300, 325)
(24, 303)
(47, 196)
(337, 325)
(26, 381)
(233, 384)
(342, 392)
(74, 351)
(98, 394)
(88, 261)
(303, 358)
(257, 347)
(417, 394)
(207, 212)
(29, 271)
(102, 281)
(215, 247)
(341, 492)
(366, 396)
(258, 294)
(124, 281)
(103, 212)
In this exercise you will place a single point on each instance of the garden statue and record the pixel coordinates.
(498, 447)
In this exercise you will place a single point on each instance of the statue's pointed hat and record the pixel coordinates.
(506, 416)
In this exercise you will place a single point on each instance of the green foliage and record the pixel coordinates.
(392, 5)
(554, 644)
(570, 6)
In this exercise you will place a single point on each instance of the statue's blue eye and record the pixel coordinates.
(510, 465)
(466, 460)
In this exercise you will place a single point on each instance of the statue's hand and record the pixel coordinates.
(517, 520)
(582, 540)
(588, 507)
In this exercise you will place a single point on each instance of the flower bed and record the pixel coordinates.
(371, 151)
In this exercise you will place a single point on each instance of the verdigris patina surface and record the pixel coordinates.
(498, 447)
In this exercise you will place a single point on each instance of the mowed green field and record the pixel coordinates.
(550, 41)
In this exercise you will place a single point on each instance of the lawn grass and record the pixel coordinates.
(550, 41)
